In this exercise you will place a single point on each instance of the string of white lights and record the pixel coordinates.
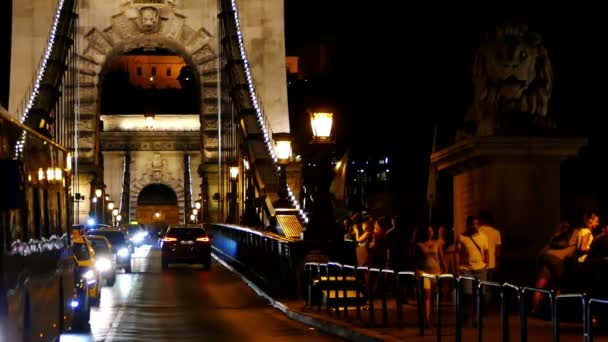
(254, 100)
(190, 180)
(40, 75)
(122, 186)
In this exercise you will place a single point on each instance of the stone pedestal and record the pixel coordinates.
(516, 178)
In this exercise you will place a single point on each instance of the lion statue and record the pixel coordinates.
(512, 79)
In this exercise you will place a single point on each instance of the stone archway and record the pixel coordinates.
(146, 25)
(157, 205)
(157, 177)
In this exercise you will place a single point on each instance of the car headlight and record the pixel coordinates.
(139, 237)
(88, 275)
(103, 265)
(123, 252)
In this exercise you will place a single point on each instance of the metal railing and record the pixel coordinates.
(386, 284)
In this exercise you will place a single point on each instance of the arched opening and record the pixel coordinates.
(157, 206)
(149, 80)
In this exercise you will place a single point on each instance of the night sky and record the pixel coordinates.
(413, 63)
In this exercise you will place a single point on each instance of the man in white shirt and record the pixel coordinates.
(471, 259)
(494, 243)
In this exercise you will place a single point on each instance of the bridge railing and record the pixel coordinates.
(385, 293)
(274, 261)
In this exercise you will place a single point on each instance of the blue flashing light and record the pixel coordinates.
(91, 221)
(74, 304)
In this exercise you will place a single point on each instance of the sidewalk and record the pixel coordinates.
(350, 328)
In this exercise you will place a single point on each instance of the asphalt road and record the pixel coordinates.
(187, 303)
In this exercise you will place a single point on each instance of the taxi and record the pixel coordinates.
(84, 256)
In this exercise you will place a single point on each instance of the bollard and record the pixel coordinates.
(420, 304)
(450, 277)
(345, 288)
(359, 271)
(504, 309)
(333, 268)
(373, 273)
(589, 326)
(458, 332)
(383, 274)
(403, 294)
(555, 313)
(523, 312)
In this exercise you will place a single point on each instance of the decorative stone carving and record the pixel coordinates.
(512, 77)
(148, 19)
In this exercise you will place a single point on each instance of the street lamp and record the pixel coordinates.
(98, 193)
(149, 120)
(322, 225)
(283, 152)
(250, 217)
(114, 215)
(232, 210)
(321, 127)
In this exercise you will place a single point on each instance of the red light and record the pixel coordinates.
(169, 239)
(203, 239)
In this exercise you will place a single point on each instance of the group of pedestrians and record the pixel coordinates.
(388, 243)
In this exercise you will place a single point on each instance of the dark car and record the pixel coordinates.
(121, 246)
(186, 244)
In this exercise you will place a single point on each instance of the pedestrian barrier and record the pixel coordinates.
(377, 286)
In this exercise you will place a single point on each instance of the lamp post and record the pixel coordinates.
(250, 217)
(114, 215)
(96, 199)
(283, 152)
(110, 205)
(232, 210)
(197, 206)
(322, 225)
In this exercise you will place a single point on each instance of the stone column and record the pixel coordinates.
(516, 178)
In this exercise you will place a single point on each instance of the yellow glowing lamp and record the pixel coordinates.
(98, 193)
(321, 126)
(50, 174)
(110, 205)
(68, 162)
(58, 174)
(197, 205)
(234, 172)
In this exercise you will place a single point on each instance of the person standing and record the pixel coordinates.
(471, 257)
(494, 243)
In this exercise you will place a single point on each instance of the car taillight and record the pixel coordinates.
(169, 239)
(202, 239)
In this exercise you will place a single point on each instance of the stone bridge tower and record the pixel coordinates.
(181, 151)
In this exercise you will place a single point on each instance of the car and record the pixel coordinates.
(186, 243)
(105, 260)
(137, 234)
(121, 247)
(84, 256)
